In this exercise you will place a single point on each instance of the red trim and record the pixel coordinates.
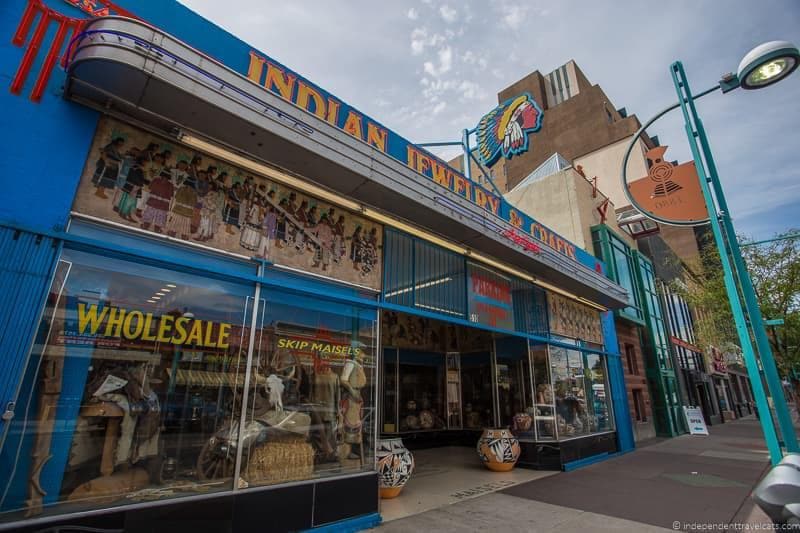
(33, 7)
(30, 54)
(64, 24)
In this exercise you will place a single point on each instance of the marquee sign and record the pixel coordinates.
(510, 123)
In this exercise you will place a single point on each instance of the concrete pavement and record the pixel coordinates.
(663, 484)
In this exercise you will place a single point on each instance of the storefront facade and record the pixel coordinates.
(222, 285)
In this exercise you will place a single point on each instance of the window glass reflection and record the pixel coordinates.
(135, 369)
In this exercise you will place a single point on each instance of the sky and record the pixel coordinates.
(429, 68)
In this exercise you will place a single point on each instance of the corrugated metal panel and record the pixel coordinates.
(423, 276)
(530, 308)
(26, 264)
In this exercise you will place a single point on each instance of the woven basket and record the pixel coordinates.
(283, 458)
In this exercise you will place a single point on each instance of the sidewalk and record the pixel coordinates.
(684, 480)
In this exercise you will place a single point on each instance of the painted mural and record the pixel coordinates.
(147, 182)
(573, 319)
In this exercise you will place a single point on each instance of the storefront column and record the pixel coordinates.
(616, 382)
(27, 261)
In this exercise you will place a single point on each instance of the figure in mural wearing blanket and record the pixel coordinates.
(251, 233)
(310, 227)
(180, 219)
(180, 174)
(339, 240)
(246, 197)
(159, 197)
(369, 252)
(299, 235)
(233, 204)
(282, 235)
(269, 230)
(107, 167)
(356, 248)
(134, 181)
(325, 248)
(210, 206)
(125, 165)
(153, 165)
(291, 211)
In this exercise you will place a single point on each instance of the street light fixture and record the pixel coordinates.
(767, 63)
(764, 65)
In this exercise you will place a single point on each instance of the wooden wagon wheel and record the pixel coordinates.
(212, 462)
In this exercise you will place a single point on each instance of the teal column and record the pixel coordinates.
(690, 118)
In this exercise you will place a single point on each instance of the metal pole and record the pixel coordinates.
(465, 143)
(685, 99)
(750, 300)
(789, 237)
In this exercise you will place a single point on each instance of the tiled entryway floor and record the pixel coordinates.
(448, 475)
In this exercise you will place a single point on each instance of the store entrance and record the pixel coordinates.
(444, 383)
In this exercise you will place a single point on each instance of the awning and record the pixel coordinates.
(126, 67)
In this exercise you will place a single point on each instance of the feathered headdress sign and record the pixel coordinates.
(504, 130)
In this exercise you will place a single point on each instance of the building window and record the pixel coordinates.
(145, 373)
(638, 405)
(630, 357)
(622, 267)
(609, 116)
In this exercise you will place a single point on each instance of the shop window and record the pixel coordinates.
(319, 359)
(422, 382)
(582, 398)
(138, 369)
(544, 400)
(638, 405)
(513, 375)
(477, 390)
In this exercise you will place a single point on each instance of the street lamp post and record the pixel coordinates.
(763, 66)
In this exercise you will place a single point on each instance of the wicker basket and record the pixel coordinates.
(283, 458)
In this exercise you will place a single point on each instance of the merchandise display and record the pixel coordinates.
(498, 449)
(155, 370)
(395, 466)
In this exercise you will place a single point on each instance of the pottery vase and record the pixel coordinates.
(498, 449)
(522, 422)
(395, 466)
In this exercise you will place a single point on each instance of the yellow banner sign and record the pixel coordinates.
(117, 322)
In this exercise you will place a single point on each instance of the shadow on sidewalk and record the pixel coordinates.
(685, 479)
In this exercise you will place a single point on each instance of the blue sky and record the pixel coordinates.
(428, 69)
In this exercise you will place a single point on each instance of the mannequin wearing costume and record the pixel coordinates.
(353, 379)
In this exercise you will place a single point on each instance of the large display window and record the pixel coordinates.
(148, 383)
(580, 387)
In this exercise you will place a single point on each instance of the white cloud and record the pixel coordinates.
(445, 56)
(420, 39)
(413, 14)
(448, 13)
(438, 108)
(512, 15)
(471, 91)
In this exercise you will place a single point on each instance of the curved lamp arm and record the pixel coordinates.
(623, 173)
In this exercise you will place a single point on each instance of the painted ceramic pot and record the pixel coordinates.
(522, 422)
(395, 466)
(498, 448)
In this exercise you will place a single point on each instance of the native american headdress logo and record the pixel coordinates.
(504, 130)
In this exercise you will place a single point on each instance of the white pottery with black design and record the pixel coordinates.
(498, 449)
(395, 465)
